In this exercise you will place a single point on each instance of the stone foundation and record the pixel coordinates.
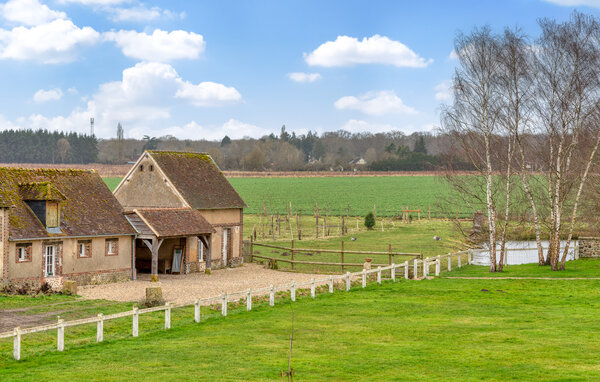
(197, 266)
(100, 277)
(236, 262)
(589, 247)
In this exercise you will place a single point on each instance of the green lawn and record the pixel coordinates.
(112, 183)
(451, 330)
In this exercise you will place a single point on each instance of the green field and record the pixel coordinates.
(441, 329)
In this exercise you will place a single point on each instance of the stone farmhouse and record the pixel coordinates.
(173, 212)
(187, 214)
(61, 224)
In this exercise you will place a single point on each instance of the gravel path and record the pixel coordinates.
(185, 288)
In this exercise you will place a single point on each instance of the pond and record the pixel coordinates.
(523, 252)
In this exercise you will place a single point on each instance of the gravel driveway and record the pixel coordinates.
(186, 288)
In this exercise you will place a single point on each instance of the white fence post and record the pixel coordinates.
(272, 296)
(425, 267)
(330, 284)
(406, 270)
(248, 299)
(347, 281)
(449, 262)
(312, 288)
(60, 340)
(378, 275)
(438, 265)
(459, 259)
(393, 272)
(168, 316)
(224, 304)
(415, 269)
(135, 323)
(469, 257)
(100, 328)
(17, 343)
(197, 310)
(293, 291)
(364, 278)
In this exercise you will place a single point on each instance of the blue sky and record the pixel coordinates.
(201, 70)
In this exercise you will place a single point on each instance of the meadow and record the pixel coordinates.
(440, 329)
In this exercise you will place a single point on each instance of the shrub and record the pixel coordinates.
(370, 220)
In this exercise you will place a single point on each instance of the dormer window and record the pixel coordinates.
(52, 215)
(44, 201)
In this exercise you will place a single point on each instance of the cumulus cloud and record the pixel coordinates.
(96, 2)
(233, 128)
(208, 94)
(140, 13)
(348, 51)
(29, 12)
(304, 77)
(576, 3)
(159, 46)
(375, 103)
(53, 42)
(443, 91)
(48, 95)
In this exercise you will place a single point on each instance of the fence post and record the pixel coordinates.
(168, 316)
(469, 257)
(312, 288)
(293, 291)
(415, 269)
(60, 340)
(197, 311)
(379, 275)
(393, 272)
(17, 343)
(224, 304)
(438, 265)
(272, 296)
(449, 262)
(248, 299)
(459, 259)
(135, 323)
(292, 249)
(330, 284)
(364, 278)
(347, 281)
(342, 252)
(100, 328)
(406, 270)
(425, 267)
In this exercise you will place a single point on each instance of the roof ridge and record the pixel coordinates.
(48, 169)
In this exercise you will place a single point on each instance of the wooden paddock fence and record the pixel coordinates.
(346, 279)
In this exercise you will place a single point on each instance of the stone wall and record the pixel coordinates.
(100, 277)
(589, 247)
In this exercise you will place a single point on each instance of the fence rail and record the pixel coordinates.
(411, 270)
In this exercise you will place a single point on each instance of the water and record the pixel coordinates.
(522, 252)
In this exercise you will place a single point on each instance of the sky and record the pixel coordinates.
(203, 70)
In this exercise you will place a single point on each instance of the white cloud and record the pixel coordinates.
(232, 128)
(375, 103)
(347, 51)
(208, 94)
(141, 13)
(96, 2)
(443, 91)
(453, 55)
(29, 12)
(576, 3)
(360, 126)
(72, 90)
(159, 46)
(48, 95)
(304, 77)
(53, 42)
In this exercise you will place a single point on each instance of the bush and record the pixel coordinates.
(370, 220)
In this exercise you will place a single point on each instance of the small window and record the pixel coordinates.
(141, 167)
(112, 247)
(200, 250)
(151, 168)
(23, 253)
(84, 248)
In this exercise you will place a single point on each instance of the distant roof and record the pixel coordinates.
(169, 222)
(198, 179)
(88, 208)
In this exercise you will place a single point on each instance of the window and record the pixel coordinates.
(112, 247)
(23, 253)
(200, 250)
(52, 215)
(151, 168)
(50, 261)
(141, 167)
(84, 248)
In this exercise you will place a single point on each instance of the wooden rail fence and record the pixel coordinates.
(346, 279)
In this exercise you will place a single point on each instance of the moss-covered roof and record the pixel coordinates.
(88, 208)
(198, 179)
(170, 222)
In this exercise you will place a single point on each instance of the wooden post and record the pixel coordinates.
(347, 281)
(343, 226)
(364, 278)
(312, 288)
(379, 275)
(251, 246)
(469, 257)
(425, 267)
(449, 262)
(342, 252)
(438, 265)
(272, 296)
(293, 291)
(100, 328)
(224, 304)
(317, 226)
(168, 316)
(272, 227)
(415, 269)
(292, 249)
(406, 270)
(248, 299)
(459, 259)
(278, 225)
(393, 272)
(135, 322)
(17, 343)
(325, 233)
(389, 254)
(197, 311)
(330, 284)
(60, 334)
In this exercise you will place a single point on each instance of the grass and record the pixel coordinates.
(112, 183)
(440, 329)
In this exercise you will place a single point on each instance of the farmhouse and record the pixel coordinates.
(188, 216)
(61, 224)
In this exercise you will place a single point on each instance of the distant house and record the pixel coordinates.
(61, 224)
(187, 214)
(359, 161)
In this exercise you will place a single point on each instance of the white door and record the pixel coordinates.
(50, 260)
(224, 246)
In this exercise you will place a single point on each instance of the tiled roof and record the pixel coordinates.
(198, 179)
(170, 222)
(88, 208)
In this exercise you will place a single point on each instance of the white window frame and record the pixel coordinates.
(50, 267)
(22, 254)
(200, 250)
(112, 246)
(81, 250)
(224, 245)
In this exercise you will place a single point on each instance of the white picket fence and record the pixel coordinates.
(424, 264)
